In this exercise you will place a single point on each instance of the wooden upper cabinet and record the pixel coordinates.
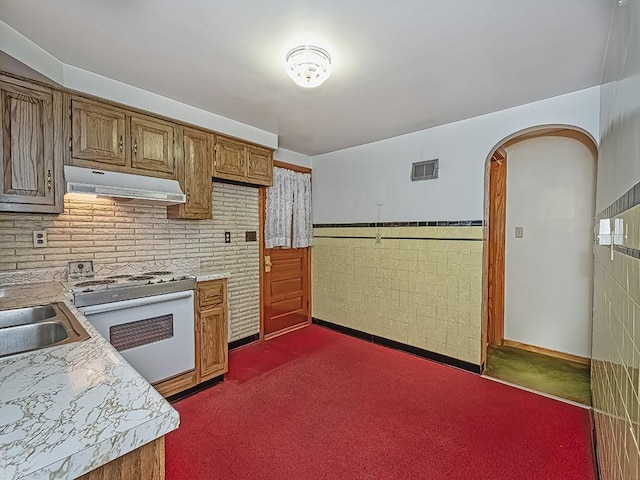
(111, 138)
(152, 143)
(31, 145)
(194, 175)
(259, 165)
(98, 133)
(239, 161)
(229, 159)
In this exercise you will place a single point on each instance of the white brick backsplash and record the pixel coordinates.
(118, 231)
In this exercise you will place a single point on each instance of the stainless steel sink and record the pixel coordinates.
(40, 326)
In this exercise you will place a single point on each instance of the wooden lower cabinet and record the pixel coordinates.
(212, 324)
(144, 463)
(213, 349)
(211, 339)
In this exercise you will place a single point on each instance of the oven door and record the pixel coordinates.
(154, 334)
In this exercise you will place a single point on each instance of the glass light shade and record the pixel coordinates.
(308, 66)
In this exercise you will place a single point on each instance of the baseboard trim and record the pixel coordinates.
(420, 352)
(547, 351)
(244, 341)
(195, 389)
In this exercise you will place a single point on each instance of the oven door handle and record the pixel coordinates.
(136, 302)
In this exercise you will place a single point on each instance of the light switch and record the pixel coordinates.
(519, 232)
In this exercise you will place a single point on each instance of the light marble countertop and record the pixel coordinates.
(68, 409)
(204, 275)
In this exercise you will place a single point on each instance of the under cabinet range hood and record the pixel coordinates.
(122, 185)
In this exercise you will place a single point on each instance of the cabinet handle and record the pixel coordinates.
(49, 180)
(135, 148)
(121, 144)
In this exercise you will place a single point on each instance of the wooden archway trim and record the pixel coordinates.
(496, 246)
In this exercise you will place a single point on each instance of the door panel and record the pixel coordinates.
(286, 289)
(213, 354)
(99, 133)
(26, 144)
(229, 159)
(260, 165)
(152, 145)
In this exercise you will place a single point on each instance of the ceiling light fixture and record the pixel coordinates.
(308, 66)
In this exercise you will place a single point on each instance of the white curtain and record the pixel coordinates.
(288, 220)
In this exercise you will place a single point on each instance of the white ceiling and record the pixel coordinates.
(398, 66)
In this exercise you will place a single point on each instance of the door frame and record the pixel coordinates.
(262, 211)
(495, 238)
(563, 130)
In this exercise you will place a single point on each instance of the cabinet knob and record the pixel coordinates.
(49, 186)
(135, 148)
(121, 144)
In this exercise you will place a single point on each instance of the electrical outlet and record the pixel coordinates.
(519, 232)
(227, 237)
(39, 238)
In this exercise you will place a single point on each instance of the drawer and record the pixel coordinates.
(211, 293)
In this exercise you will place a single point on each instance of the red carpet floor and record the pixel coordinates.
(315, 404)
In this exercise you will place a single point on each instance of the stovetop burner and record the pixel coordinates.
(124, 287)
(91, 283)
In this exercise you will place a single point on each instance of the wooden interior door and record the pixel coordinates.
(285, 280)
(286, 295)
(496, 246)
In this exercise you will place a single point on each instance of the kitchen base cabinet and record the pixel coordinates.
(211, 339)
(212, 325)
(144, 463)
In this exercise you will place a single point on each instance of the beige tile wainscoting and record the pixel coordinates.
(615, 378)
(421, 286)
(118, 231)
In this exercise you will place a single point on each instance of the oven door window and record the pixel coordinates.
(141, 332)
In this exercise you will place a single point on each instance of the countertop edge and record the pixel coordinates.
(100, 454)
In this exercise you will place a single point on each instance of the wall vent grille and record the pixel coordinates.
(425, 170)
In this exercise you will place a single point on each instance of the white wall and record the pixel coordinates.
(548, 272)
(372, 182)
(295, 158)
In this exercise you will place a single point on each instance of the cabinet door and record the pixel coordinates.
(152, 144)
(198, 161)
(30, 169)
(229, 160)
(259, 165)
(99, 133)
(214, 342)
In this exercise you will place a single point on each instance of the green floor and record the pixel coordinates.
(542, 373)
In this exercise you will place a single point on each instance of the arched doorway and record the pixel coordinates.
(540, 200)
